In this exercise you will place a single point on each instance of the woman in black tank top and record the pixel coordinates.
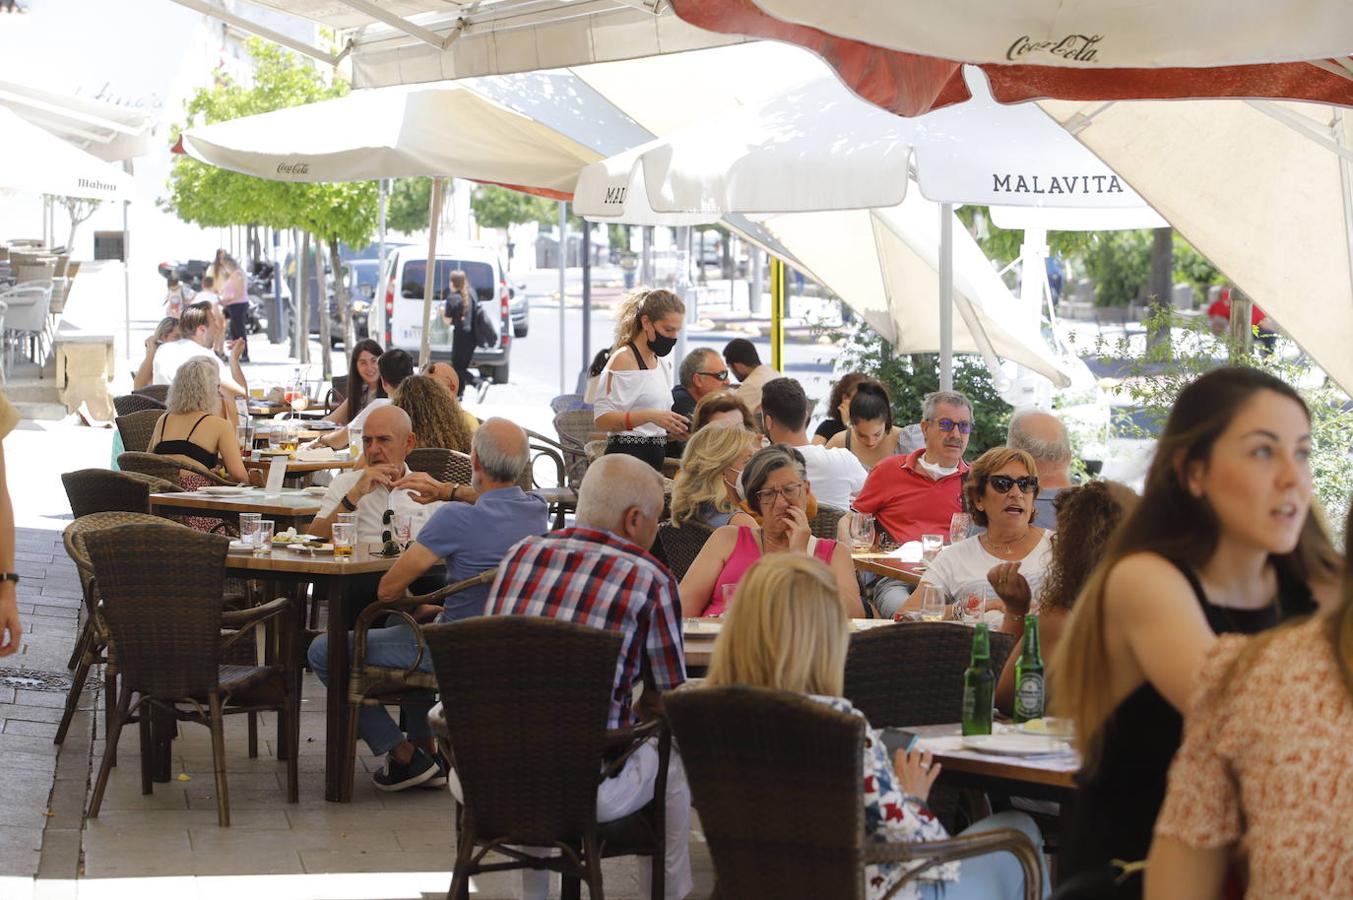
(192, 428)
(1225, 539)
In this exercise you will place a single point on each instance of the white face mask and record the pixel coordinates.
(936, 472)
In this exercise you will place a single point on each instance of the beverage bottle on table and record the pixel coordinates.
(979, 684)
(1030, 692)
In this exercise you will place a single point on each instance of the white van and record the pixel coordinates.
(396, 317)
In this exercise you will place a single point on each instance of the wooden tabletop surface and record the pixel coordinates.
(365, 558)
(698, 636)
(287, 503)
(889, 566)
(302, 465)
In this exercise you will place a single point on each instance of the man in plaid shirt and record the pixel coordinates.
(599, 573)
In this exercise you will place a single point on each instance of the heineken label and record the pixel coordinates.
(1029, 696)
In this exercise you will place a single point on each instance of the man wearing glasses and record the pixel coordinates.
(702, 373)
(918, 493)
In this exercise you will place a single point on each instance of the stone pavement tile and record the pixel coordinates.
(126, 834)
(244, 842)
(28, 698)
(440, 840)
(352, 816)
(123, 800)
(337, 860)
(7, 694)
(29, 728)
(24, 743)
(27, 761)
(24, 713)
(277, 861)
(20, 847)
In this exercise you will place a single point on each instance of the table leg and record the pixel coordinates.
(336, 720)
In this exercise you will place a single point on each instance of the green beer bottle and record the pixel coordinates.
(1030, 693)
(979, 684)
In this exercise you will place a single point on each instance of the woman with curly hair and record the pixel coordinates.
(435, 413)
(1086, 518)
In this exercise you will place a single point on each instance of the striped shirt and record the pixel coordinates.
(600, 580)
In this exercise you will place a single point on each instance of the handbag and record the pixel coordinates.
(485, 329)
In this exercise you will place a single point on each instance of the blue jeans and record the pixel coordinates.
(991, 876)
(395, 647)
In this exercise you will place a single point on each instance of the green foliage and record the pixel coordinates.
(499, 207)
(409, 201)
(1196, 269)
(1119, 263)
(1154, 379)
(1003, 245)
(214, 197)
(909, 377)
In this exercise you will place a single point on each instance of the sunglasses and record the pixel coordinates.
(389, 547)
(721, 376)
(1003, 483)
(948, 425)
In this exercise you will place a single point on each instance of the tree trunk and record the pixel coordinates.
(322, 310)
(303, 313)
(1161, 287)
(341, 291)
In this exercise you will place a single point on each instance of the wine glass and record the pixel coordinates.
(932, 602)
(931, 545)
(861, 532)
(959, 526)
(972, 606)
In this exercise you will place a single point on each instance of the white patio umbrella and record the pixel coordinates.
(36, 161)
(1263, 189)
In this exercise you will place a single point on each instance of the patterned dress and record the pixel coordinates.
(892, 817)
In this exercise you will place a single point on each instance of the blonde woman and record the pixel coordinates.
(1226, 538)
(459, 314)
(705, 490)
(787, 631)
(634, 396)
(435, 414)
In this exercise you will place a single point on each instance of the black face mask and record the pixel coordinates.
(660, 344)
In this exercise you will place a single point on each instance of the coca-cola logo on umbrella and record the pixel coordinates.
(293, 168)
(1075, 47)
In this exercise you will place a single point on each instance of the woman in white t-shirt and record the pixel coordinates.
(999, 489)
(634, 396)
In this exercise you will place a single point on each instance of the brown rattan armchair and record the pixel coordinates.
(103, 490)
(911, 673)
(681, 545)
(134, 403)
(562, 496)
(823, 525)
(338, 392)
(136, 429)
(526, 701)
(158, 392)
(165, 468)
(777, 780)
(370, 685)
(442, 464)
(161, 589)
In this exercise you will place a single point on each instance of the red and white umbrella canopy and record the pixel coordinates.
(908, 57)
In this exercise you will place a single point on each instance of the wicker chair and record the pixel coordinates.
(134, 403)
(158, 392)
(525, 730)
(380, 686)
(103, 490)
(681, 545)
(575, 428)
(338, 392)
(562, 497)
(136, 429)
(161, 590)
(441, 464)
(164, 467)
(823, 525)
(759, 760)
(911, 673)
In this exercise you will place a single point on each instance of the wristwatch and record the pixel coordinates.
(9, 576)
(455, 488)
(348, 504)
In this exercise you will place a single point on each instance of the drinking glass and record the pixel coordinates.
(959, 526)
(403, 525)
(249, 526)
(263, 537)
(354, 442)
(931, 545)
(346, 518)
(861, 532)
(972, 606)
(290, 435)
(297, 398)
(245, 432)
(343, 538)
(932, 603)
(728, 591)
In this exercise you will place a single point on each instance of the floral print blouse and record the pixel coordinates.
(890, 816)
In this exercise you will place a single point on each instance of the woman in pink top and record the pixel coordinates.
(1260, 786)
(775, 487)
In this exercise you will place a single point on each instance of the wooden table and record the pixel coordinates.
(302, 466)
(698, 637)
(289, 509)
(889, 567)
(332, 580)
(1037, 777)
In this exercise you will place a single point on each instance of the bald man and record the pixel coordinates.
(599, 574)
(1045, 438)
(470, 538)
(387, 439)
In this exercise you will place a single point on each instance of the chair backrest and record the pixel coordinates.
(566, 402)
(165, 468)
(103, 490)
(440, 463)
(136, 429)
(575, 428)
(526, 707)
(911, 673)
(777, 779)
(338, 392)
(158, 392)
(162, 588)
(681, 545)
(73, 537)
(28, 307)
(134, 403)
(823, 525)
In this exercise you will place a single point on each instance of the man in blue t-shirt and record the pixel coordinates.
(470, 538)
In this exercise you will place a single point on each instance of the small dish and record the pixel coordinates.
(311, 548)
(317, 490)
(225, 490)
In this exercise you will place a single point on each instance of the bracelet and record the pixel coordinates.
(455, 489)
(9, 576)
(348, 504)
(628, 426)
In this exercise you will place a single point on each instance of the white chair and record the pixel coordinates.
(27, 310)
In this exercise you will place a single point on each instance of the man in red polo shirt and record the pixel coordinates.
(918, 493)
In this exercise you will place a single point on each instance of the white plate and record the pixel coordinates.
(312, 548)
(1014, 744)
(1049, 726)
(293, 538)
(226, 490)
(317, 490)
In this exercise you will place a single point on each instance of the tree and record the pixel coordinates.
(215, 198)
(79, 210)
(498, 207)
(408, 203)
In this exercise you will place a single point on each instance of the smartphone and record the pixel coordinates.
(895, 739)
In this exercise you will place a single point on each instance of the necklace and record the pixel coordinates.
(1001, 550)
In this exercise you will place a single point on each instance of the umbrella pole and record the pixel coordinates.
(946, 296)
(126, 278)
(563, 285)
(587, 296)
(777, 313)
(430, 273)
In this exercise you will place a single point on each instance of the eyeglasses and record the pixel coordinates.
(721, 376)
(948, 425)
(790, 492)
(1003, 483)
